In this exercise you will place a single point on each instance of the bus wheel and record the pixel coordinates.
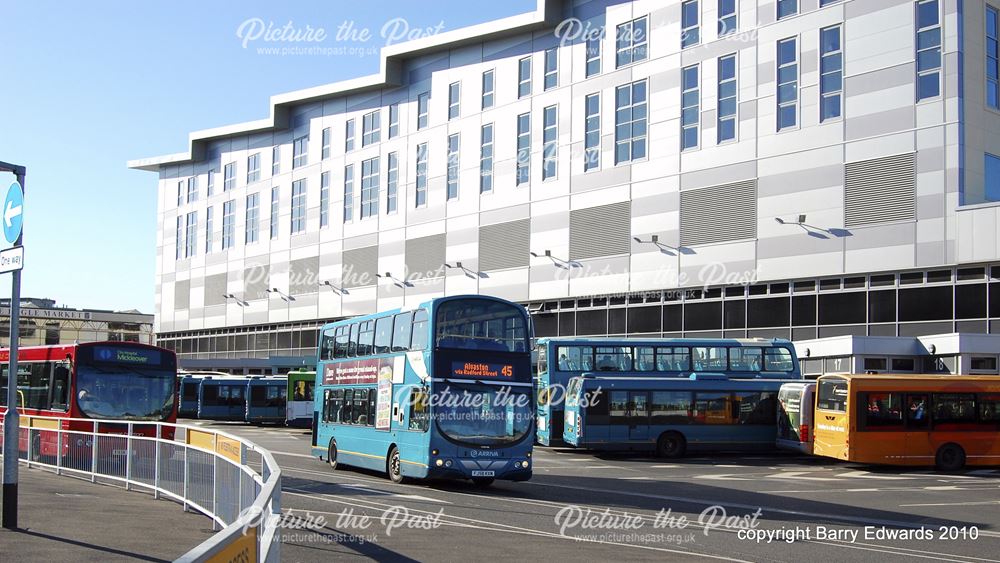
(482, 482)
(331, 454)
(950, 457)
(671, 445)
(394, 466)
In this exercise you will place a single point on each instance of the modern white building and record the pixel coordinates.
(789, 168)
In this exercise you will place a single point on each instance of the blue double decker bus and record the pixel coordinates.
(671, 415)
(560, 359)
(440, 391)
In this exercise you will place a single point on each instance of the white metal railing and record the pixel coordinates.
(215, 473)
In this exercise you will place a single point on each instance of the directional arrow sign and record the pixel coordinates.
(13, 213)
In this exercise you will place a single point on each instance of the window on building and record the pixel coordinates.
(252, 218)
(229, 179)
(524, 77)
(488, 89)
(371, 128)
(727, 17)
(192, 189)
(192, 234)
(928, 50)
(594, 53)
(369, 187)
(349, 136)
(632, 41)
(690, 101)
(788, 83)
(523, 174)
(992, 58)
(325, 154)
(228, 224)
(453, 166)
(180, 193)
(592, 133)
(421, 176)
(275, 193)
(787, 8)
(275, 160)
(630, 122)
(454, 100)
(727, 98)
(298, 206)
(550, 142)
(324, 199)
(393, 120)
(211, 182)
(179, 239)
(486, 158)
(423, 102)
(208, 230)
(300, 151)
(391, 184)
(831, 68)
(551, 77)
(349, 193)
(690, 28)
(992, 176)
(253, 168)
(827, 2)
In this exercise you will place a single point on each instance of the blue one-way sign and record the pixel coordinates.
(13, 213)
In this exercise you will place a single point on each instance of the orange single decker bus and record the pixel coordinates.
(943, 420)
(119, 381)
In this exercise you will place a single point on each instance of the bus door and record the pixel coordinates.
(238, 401)
(638, 422)
(918, 436)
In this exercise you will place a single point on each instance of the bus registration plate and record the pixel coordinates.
(483, 473)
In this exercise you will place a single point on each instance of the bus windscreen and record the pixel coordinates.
(127, 392)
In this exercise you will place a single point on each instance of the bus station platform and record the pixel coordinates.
(63, 518)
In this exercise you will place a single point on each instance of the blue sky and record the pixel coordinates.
(87, 86)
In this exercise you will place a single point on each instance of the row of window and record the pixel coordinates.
(634, 408)
(888, 411)
(393, 333)
(40, 385)
(675, 358)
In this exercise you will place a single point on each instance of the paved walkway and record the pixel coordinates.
(68, 519)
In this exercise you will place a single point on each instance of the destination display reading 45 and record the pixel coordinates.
(480, 369)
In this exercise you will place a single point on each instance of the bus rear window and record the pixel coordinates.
(832, 395)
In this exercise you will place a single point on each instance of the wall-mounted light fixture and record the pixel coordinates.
(396, 281)
(238, 301)
(336, 289)
(284, 296)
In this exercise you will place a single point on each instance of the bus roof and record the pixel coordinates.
(923, 378)
(687, 341)
(425, 305)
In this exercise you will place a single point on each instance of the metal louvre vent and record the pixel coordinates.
(215, 288)
(719, 213)
(182, 294)
(359, 267)
(880, 190)
(504, 245)
(425, 257)
(600, 231)
(303, 276)
(256, 280)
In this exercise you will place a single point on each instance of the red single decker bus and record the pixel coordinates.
(124, 381)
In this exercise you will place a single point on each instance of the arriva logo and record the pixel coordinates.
(484, 453)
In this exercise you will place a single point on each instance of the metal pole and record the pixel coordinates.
(11, 421)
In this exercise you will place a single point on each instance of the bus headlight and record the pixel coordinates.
(79, 442)
(434, 452)
(439, 463)
(447, 463)
(528, 454)
(524, 464)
